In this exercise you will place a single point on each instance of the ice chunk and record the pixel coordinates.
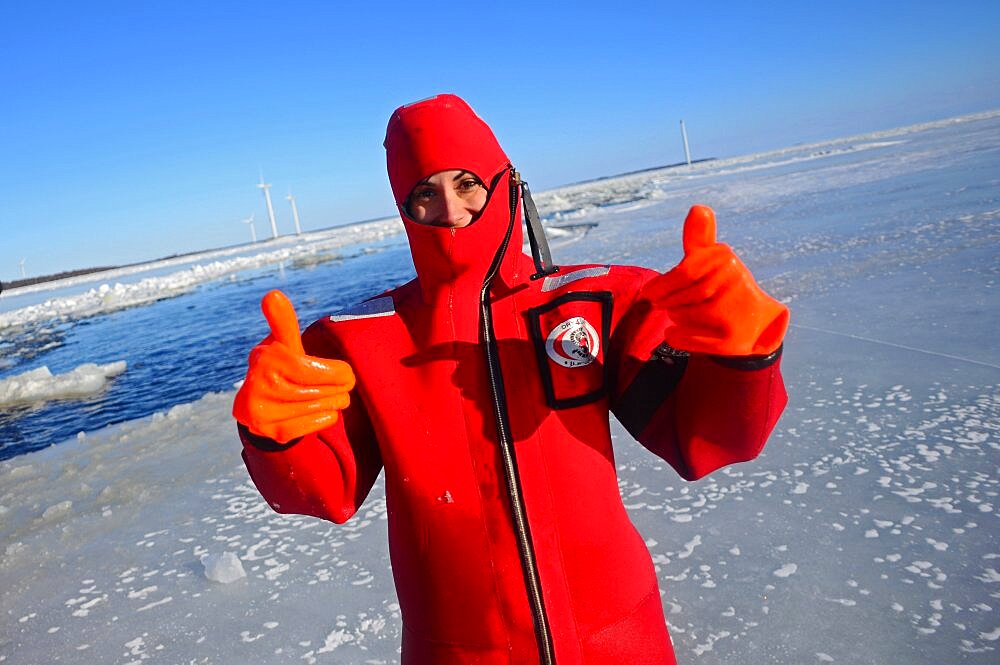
(786, 570)
(40, 385)
(57, 511)
(223, 568)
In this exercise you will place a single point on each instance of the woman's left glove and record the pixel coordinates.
(714, 304)
(288, 394)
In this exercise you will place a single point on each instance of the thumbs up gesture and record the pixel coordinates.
(715, 306)
(288, 394)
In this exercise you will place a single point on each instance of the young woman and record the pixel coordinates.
(483, 387)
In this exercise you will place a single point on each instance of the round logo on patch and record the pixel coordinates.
(573, 343)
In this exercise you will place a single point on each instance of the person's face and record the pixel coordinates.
(447, 198)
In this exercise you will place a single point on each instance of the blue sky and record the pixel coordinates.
(135, 130)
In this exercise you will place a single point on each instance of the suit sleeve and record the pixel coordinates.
(327, 474)
(697, 412)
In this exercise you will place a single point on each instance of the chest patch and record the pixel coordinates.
(573, 343)
(571, 334)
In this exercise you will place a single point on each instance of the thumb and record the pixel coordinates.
(280, 315)
(699, 229)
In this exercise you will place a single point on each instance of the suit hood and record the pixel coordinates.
(440, 134)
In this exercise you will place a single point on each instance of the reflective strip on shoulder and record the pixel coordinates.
(366, 310)
(562, 279)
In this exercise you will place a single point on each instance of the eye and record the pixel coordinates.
(469, 184)
(422, 194)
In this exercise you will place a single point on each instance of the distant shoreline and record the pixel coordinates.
(29, 281)
(67, 274)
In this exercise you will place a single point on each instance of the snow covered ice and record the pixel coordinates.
(865, 533)
(18, 309)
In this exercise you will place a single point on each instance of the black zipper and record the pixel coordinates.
(543, 635)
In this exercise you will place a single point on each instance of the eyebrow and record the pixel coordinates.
(458, 176)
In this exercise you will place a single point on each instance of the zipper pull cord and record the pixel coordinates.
(536, 234)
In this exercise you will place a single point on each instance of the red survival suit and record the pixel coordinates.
(485, 395)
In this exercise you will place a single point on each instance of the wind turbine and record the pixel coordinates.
(295, 214)
(270, 209)
(21, 265)
(253, 231)
(687, 151)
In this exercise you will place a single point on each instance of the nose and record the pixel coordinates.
(455, 212)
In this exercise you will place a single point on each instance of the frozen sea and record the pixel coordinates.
(865, 533)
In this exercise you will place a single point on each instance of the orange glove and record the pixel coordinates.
(713, 301)
(288, 394)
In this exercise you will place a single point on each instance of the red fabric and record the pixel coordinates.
(422, 407)
(438, 134)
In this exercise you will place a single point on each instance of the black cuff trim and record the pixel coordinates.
(262, 442)
(650, 388)
(749, 363)
(664, 350)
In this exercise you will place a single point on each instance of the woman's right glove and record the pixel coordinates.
(288, 394)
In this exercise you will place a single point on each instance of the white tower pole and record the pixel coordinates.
(687, 151)
(253, 231)
(270, 209)
(295, 214)
(21, 265)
